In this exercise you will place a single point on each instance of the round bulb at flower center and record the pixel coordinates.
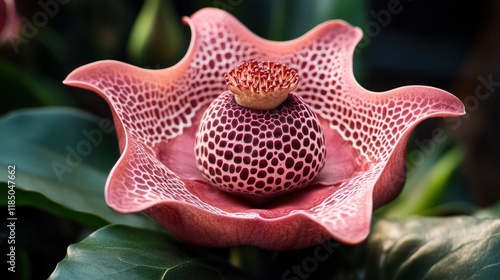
(259, 140)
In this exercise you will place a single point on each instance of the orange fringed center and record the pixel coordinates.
(261, 85)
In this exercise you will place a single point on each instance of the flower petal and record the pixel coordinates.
(156, 113)
(10, 22)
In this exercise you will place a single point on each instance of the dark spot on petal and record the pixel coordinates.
(261, 174)
(244, 174)
(260, 184)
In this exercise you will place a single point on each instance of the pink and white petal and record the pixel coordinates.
(146, 103)
(196, 226)
(222, 42)
(407, 107)
(322, 57)
(139, 182)
(153, 109)
(347, 212)
(10, 22)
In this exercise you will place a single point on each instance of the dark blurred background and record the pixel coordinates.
(453, 45)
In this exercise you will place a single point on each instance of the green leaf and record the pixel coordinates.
(290, 19)
(426, 183)
(121, 252)
(26, 88)
(461, 247)
(156, 35)
(62, 158)
(490, 212)
(35, 199)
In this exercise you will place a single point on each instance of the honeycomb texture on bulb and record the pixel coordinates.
(259, 153)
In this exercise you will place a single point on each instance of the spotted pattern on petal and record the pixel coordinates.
(152, 182)
(259, 153)
(371, 122)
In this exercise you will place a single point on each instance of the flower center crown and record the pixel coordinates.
(261, 85)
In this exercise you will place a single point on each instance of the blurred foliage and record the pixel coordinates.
(156, 35)
(427, 182)
(63, 175)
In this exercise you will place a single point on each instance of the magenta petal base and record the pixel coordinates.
(281, 234)
(157, 112)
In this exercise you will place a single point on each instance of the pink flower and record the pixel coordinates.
(9, 21)
(157, 114)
